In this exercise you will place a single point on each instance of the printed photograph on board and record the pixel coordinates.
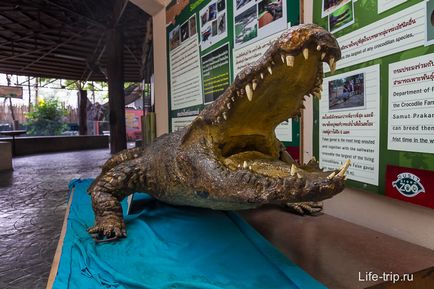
(221, 5)
(269, 11)
(213, 21)
(341, 18)
(347, 92)
(258, 20)
(206, 33)
(221, 23)
(192, 24)
(329, 6)
(174, 39)
(246, 27)
(214, 28)
(429, 23)
(240, 3)
(184, 31)
(204, 17)
(212, 11)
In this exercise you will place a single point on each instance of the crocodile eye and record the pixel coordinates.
(202, 194)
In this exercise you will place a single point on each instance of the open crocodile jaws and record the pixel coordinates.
(229, 157)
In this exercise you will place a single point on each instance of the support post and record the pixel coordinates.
(82, 103)
(115, 75)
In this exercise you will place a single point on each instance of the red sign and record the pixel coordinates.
(411, 185)
(133, 123)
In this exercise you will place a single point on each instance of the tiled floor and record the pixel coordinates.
(32, 207)
(33, 202)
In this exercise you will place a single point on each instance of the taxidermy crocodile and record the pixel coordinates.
(229, 158)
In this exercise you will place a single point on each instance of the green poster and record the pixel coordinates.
(215, 73)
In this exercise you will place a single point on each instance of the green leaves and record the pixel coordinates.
(47, 118)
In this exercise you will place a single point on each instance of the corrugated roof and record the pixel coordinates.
(67, 38)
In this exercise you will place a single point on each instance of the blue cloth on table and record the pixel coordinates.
(172, 247)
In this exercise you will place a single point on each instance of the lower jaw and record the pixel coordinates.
(261, 164)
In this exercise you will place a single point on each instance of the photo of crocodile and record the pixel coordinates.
(229, 158)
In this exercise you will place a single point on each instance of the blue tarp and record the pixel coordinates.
(172, 247)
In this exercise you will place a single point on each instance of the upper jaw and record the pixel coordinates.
(309, 42)
(302, 39)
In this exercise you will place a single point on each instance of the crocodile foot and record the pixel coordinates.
(305, 208)
(108, 228)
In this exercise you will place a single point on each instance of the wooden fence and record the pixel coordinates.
(21, 110)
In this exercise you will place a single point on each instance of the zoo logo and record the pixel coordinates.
(408, 185)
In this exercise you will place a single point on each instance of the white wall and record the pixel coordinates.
(156, 8)
(402, 220)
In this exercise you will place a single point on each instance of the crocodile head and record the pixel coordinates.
(238, 128)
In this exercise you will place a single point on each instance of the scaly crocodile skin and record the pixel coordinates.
(229, 157)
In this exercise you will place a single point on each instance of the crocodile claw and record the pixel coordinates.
(108, 229)
(305, 208)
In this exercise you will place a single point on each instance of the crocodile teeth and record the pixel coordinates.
(245, 164)
(299, 176)
(233, 99)
(293, 170)
(331, 176)
(250, 167)
(318, 47)
(306, 53)
(269, 70)
(228, 105)
(249, 92)
(331, 61)
(323, 55)
(282, 57)
(332, 64)
(254, 85)
(290, 60)
(262, 75)
(333, 67)
(344, 168)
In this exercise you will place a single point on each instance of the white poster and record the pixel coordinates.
(181, 122)
(411, 105)
(255, 20)
(349, 123)
(284, 131)
(429, 21)
(250, 53)
(396, 33)
(384, 5)
(213, 23)
(185, 76)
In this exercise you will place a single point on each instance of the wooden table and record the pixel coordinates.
(13, 134)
